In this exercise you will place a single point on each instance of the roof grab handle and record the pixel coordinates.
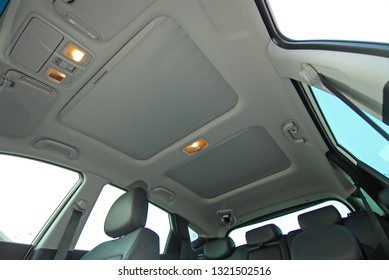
(71, 152)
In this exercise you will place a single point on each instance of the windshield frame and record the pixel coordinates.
(370, 48)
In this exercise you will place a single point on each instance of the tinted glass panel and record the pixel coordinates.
(353, 133)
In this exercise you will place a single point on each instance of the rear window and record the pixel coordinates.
(287, 222)
(345, 20)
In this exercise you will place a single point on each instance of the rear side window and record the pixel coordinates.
(286, 223)
(30, 192)
(192, 235)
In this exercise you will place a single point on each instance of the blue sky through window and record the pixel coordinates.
(351, 20)
(353, 133)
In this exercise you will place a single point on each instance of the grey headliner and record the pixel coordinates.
(233, 38)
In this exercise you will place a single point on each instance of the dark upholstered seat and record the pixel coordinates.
(126, 222)
(266, 243)
(218, 249)
(324, 238)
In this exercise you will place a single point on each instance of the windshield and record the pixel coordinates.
(354, 134)
(344, 20)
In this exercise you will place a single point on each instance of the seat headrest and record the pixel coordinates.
(263, 234)
(333, 242)
(325, 216)
(219, 248)
(127, 214)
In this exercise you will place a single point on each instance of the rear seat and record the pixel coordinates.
(264, 243)
(324, 238)
(324, 235)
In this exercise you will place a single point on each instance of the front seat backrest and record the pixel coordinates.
(219, 249)
(323, 238)
(126, 221)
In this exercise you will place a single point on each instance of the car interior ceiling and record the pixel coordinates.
(202, 109)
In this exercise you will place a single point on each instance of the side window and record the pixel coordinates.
(192, 235)
(158, 221)
(93, 232)
(286, 223)
(30, 192)
(353, 133)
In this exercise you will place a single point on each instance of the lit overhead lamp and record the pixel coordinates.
(55, 75)
(195, 146)
(74, 53)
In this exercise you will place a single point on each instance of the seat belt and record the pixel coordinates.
(316, 79)
(379, 231)
(70, 230)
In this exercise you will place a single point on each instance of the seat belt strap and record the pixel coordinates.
(70, 231)
(380, 233)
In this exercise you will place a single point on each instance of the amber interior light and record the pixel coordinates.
(74, 53)
(55, 75)
(195, 146)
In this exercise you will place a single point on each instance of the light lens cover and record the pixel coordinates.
(195, 146)
(55, 75)
(74, 53)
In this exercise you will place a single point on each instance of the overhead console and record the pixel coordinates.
(44, 49)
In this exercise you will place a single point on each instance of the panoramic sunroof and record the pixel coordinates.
(159, 88)
(247, 157)
(346, 20)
